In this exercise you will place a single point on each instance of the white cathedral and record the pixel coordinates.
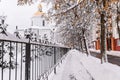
(41, 29)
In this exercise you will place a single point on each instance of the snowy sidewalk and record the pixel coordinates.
(78, 66)
(112, 53)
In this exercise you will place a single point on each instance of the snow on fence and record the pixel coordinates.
(22, 59)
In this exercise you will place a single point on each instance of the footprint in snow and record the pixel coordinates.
(72, 77)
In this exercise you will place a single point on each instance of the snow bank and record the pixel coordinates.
(78, 66)
(106, 71)
(72, 69)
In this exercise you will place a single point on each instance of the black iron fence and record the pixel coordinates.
(21, 59)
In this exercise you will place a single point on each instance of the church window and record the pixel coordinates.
(43, 23)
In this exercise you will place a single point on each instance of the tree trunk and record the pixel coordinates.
(117, 20)
(85, 43)
(103, 39)
(81, 46)
(86, 46)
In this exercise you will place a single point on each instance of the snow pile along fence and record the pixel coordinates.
(79, 66)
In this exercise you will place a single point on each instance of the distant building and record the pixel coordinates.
(43, 34)
(112, 38)
(41, 29)
(38, 18)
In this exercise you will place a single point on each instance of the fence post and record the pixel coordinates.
(27, 62)
(55, 59)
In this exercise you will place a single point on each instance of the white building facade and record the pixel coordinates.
(41, 30)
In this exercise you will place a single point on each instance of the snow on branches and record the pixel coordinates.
(74, 19)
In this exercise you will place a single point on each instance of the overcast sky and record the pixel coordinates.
(17, 15)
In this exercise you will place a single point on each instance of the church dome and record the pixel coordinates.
(39, 12)
(40, 7)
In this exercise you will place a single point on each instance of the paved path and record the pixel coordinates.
(72, 69)
(113, 56)
(112, 53)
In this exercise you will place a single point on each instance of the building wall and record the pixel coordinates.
(40, 33)
(114, 24)
(117, 44)
(114, 28)
(48, 33)
(37, 21)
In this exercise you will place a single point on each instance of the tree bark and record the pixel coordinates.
(85, 43)
(81, 46)
(117, 20)
(103, 39)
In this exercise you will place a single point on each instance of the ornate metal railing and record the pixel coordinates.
(22, 59)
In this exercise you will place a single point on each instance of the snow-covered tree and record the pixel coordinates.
(75, 18)
(104, 9)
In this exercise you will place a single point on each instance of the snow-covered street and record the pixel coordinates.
(78, 66)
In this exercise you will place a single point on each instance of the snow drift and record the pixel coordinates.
(77, 66)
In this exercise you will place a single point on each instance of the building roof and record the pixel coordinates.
(38, 13)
